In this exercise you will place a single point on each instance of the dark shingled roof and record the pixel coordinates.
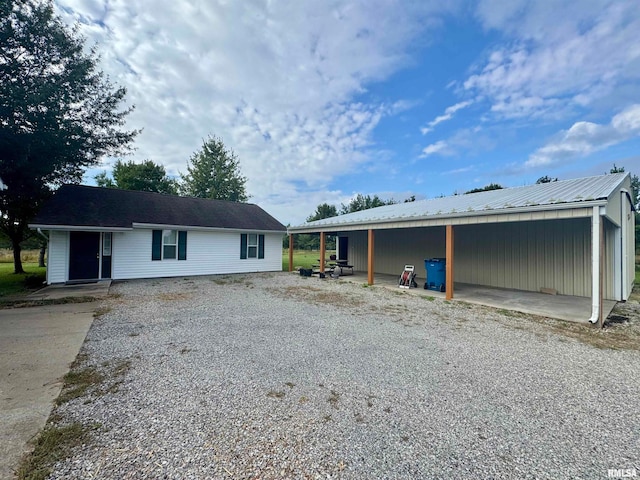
(80, 205)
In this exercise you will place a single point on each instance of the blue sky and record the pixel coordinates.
(322, 100)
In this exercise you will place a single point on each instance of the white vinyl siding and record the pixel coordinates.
(207, 253)
(58, 257)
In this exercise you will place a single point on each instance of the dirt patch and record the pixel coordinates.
(174, 296)
(319, 296)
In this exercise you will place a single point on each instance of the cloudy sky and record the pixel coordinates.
(322, 100)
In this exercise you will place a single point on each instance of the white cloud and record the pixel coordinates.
(584, 138)
(275, 80)
(448, 114)
(560, 57)
(463, 141)
(457, 171)
(440, 147)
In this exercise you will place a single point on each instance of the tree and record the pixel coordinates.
(214, 172)
(635, 186)
(360, 202)
(59, 114)
(324, 210)
(304, 241)
(546, 179)
(491, 186)
(146, 177)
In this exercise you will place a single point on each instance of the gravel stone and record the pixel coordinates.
(279, 376)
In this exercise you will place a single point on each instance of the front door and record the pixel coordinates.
(84, 255)
(343, 248)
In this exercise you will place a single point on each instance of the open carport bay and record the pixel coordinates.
(275, 375)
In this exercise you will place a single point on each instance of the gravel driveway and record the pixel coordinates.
(279, 376)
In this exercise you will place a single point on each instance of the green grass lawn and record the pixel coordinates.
(12, 284)
(302, 258)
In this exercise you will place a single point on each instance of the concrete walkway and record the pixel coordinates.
(37, 345)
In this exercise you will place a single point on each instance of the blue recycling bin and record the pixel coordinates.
(436, 274)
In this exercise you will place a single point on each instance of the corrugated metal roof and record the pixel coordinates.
(545, 194)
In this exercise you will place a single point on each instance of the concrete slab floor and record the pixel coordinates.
(562, 307)
(37, 345)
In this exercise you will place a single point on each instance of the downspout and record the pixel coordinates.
(39, 230)
(595, 265)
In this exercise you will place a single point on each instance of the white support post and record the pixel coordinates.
(595, 265)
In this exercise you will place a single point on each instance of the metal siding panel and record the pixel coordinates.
(526, 255)
(396, 248)
(631, 249)
(523, 255)
(614, 206)
(610, 266)
(567, 258)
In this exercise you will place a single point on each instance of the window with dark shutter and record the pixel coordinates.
(168, 244)
(251, 246)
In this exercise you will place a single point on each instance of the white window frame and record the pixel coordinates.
(252, 245)
(107, 238)
(166, 244)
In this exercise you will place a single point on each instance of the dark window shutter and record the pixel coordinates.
(156, 245)
(182, 245)
(260, 246)
(243, 246)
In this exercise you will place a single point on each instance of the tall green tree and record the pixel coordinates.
(59, 114)
(146, 177)
(324, 210)
(214, 172)
(362, 202)
(305, 241)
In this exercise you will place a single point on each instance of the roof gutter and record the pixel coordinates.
(205, 229)
(452, 215)
(78, 228)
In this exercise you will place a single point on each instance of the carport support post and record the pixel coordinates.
(449, 263)
(291, 252)
(322, 252)
(596, 267)
(370, 257)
